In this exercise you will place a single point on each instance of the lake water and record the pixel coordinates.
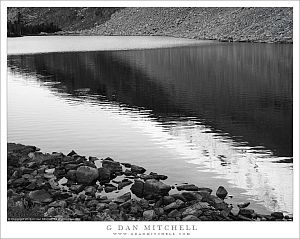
(201, 112)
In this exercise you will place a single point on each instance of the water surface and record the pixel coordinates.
(210, 114)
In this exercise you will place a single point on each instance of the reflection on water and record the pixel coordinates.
(226, 108)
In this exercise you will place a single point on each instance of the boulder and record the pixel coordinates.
(174, 205)
(92, 203)
(113, 206)
(104, 175)
(71, 175)
(221, 192)
(62, 204)
(190, 218)
(109, 188)
(190, 196)
(31, 186)
(50, 159)
(135, 209)
(125, 205)
(24, 170)
(138, 188)
(60, 195)
(123, 198)
(53, 183)
(72, 166)
(246, 212)
(216, 202)
(158, 176)
(174, 213)
(168, 199)
(114, 167)
(41, 196)
(126, 165)
(277, 215)
(149, 215)
(143, 203)
(243, 205)
(93, 159)
(205, 191)
(187, 187)
(196, 209)
(86, 175)
(159, 211)
(90, 191)
(146, 177)
(59, 172)
(72, 153)
(51, 212)
(20, 182)
(137, 169)
(235, 211)
(127, 172)
(179, 196)
(77, 188)
(154, 187)
(19, 148)
(124, 184)
(101, 206)
(162, 177)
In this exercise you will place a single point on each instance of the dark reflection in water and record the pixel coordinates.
(244, 90)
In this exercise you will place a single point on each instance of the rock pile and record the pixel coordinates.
(71, 187)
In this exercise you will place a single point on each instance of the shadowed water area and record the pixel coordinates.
(210, 114)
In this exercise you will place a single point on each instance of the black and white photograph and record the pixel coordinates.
(155, 120)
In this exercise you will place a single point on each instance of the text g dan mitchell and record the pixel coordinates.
(145, 227)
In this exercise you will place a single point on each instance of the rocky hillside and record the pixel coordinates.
(224, 24)
(228, 24)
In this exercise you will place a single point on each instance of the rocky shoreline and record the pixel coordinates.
(72, 187)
